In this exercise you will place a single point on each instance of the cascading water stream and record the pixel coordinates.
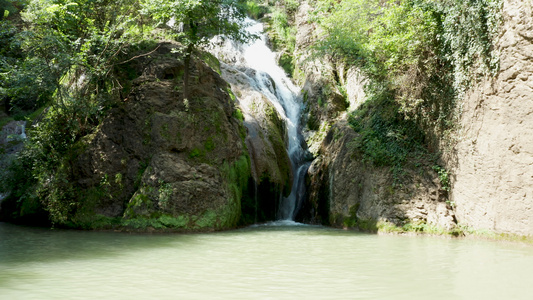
(270, 79)
(284, 96)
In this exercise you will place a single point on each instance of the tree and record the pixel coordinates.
(196, 21)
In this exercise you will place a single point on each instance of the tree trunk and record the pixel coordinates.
(192, 34)
(186, 74)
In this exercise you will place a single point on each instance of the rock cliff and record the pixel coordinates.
(344, 189)
(490, 164)
(493, 159)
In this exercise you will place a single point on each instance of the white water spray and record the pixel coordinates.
(23, 130)
(270, 79)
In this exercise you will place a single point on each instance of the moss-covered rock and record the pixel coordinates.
(159, 161)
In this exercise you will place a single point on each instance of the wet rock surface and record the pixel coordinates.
(266, 137)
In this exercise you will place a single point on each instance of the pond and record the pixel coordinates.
(281, 260)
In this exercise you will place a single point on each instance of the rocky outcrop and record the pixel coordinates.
(493, 160)
(266, 129)
(320, 78)
(491, 163)
(344, 190)
(163, 160)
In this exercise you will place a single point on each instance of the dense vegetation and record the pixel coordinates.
(420, 57)
(62, 68)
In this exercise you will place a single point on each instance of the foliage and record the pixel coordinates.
(74, 58)
(385, 136)
(419, 55)
(444, 177)
(469, 29)
(10, 8)
(194, 22)
(70, 51)
(255, 9)
(283, 34)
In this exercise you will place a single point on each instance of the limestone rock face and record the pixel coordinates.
(266, 130)
(159, 155)
(493, 162)
(324, 102)
(344, 190)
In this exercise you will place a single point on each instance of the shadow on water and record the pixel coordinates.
(21, 244)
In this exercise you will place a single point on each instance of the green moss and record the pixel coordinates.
(226, 216)
(237, 114)
(421, 227)
(93, 221)
(351, 220)
(142, 223)
(196, 153)
(161, 223)
(208, 220)
(143, 165)
(211, 61)
(231, 95)
(174, 222)
(209, 145)
(236, 183)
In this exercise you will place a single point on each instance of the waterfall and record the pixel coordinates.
(285, 97)
(23, 130)
(270, 79)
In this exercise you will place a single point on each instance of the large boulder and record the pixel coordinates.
(161, 160)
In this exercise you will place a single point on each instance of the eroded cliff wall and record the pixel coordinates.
(493, 159)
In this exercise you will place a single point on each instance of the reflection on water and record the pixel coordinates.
(275, 261)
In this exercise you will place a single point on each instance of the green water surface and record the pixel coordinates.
(262, 262)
